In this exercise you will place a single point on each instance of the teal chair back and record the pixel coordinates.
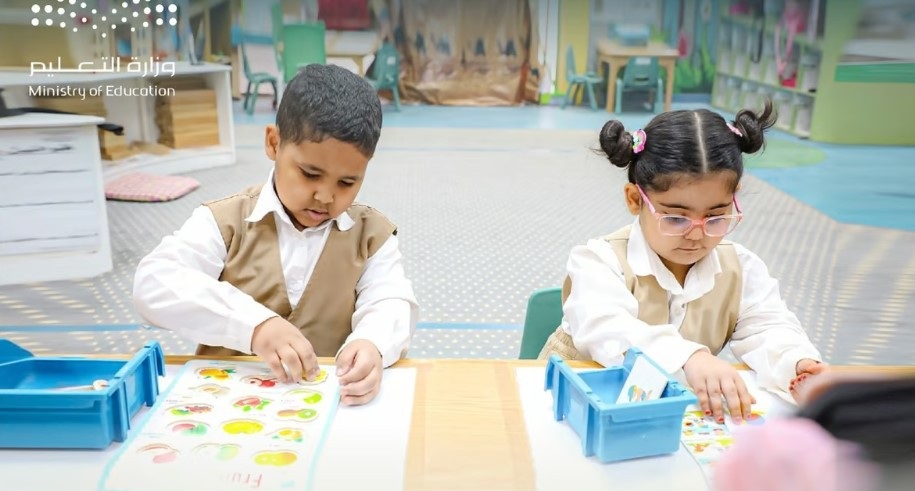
(571, 72)
(641, 73)
(386, 73)
(544, 314)
(276, 20)
(303, 44)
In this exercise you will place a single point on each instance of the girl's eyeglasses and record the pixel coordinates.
(677, 225)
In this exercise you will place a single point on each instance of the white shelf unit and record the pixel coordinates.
(742, 82)
(137, 114)
(55, 225)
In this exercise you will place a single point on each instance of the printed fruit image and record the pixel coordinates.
(217, 451)
(160, 453)
(189, 409)
(243, 427)
(214, 390)
(298, 414)
(307, 396)
(277, 459)
(322, 376)
(251, 402)
(264, 382)
(289, 435)
(189, 428)
(215, 373)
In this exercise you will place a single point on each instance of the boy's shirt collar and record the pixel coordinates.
(645, 262)
(269, 202)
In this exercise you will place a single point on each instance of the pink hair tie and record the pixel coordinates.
(735, 130)
(638, 141)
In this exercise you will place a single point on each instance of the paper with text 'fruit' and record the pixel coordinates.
(228, 426)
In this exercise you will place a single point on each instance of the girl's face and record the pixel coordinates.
(692, 197)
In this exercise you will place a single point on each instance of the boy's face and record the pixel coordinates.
(315, 181)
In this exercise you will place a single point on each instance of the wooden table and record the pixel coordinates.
(617, 56)
(468, 430)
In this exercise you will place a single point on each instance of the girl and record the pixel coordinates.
(668, 283)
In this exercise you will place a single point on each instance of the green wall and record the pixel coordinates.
(856, 112)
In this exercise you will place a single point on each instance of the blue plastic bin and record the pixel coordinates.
(614, 432)
(632, 34)
(35, 413)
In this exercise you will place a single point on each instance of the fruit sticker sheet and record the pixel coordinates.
(228, 426)
(706, 439)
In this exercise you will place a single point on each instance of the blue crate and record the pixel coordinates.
(632, 34)
(614, 432)
(35, 413)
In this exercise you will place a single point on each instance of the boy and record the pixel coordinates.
(292, 270)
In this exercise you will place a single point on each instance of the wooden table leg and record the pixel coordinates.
(668, 65)
(615, 65)
(359, 60)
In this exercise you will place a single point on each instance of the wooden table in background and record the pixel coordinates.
(617, 56)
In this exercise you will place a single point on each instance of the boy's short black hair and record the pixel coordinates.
(327, 101)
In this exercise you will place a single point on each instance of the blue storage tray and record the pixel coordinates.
(632, 34)
(614, 432)
(35, 413)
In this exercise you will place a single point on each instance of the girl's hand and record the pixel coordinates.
(711, 379)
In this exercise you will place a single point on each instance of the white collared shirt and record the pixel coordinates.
(601, 314)
(177, 285)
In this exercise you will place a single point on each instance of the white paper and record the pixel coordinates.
(367, 445)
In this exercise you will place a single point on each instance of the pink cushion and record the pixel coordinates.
(140, 186)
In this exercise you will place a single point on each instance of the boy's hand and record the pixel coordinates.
(711, 378)
(278, 343)
(359, 372)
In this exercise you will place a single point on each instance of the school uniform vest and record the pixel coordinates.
(709, 320)
(324, 313)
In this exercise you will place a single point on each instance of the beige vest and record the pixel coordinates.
(709, 320)
(324, 313)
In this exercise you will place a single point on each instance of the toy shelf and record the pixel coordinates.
(745, 81)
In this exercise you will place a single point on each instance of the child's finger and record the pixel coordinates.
(293, 364)
(360, 387)
(307, 358)
(276, 365)
(746, 399)
(732, 398)
(702, 395)
(714, 396)
(345, 361)
(363, 399)
(816, 368)
(361, 367)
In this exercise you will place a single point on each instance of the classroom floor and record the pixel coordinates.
(489, 201)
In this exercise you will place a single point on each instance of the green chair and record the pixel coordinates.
(544, 314)
(303, 44)
(254, 82)
(297, 45)
(578, 80)
(386, 74)
(641, 74)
